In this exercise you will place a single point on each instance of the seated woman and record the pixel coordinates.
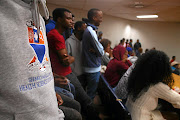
(150, 80)
(107, 54)
(117, 66)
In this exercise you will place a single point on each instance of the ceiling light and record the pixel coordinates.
(147, 16)
(139, 6)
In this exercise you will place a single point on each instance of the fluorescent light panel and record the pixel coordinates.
(147, 16)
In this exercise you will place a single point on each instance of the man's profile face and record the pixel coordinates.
(82, 28)
(98, 18)
(67, 20)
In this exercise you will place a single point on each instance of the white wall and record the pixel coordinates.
(161, 35)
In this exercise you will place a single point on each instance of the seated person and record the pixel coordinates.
(175, 67)
(70, 107)
(63, 85)
(173, 59)
(132, 58)
(121, 88)
(129, 49)
(150, 80)
(107, 48)
(107, 54)
(140, 52)
(117, 66)
(100, 34)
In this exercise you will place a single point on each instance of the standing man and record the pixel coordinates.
(74, 48)
(27, 83)
(69, 31)
(51, 25)
(92, 51)
(60, 59)
(137, 45)
(130, 43)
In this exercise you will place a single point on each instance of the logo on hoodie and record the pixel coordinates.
(39, 59)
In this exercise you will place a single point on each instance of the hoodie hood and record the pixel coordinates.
(118, 52)
(73, 37)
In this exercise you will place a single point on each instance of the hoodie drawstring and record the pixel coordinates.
(35, 12)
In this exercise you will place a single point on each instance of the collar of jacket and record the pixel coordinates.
(93, 26)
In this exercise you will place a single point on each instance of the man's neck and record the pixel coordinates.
(60, 29)
(92, 23)
(78, 36)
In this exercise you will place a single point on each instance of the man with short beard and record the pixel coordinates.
(92, 51)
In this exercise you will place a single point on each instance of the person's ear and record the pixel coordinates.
(94, 18)
(79, 28)
(59, 19)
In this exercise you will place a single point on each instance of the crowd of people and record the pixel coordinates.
(50, 69)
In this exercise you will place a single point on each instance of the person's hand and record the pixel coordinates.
(67, 60)
(92, 50)
(124, 59)
(60, 81)
(110, 54)
(59, 99)
(125, 56)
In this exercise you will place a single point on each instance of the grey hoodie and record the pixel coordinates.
(26, 80)
(74, 48)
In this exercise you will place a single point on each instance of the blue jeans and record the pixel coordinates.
(80, 94)
(92, 83)
(64, 91)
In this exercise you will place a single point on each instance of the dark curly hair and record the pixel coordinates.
(151, 68)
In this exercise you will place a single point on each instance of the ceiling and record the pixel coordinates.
(167, 10)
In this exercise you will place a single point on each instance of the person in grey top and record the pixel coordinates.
(74, 47)
(121, 88)
(27, 83)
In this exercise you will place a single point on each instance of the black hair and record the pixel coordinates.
(151, 68)
(146, 50)
(122, 40)
(59, 12)
(175, 65)
(91, 13)
(78, 24)
(105, 43)
(173, 57)
(85, 20)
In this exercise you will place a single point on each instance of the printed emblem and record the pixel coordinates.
(39, 59)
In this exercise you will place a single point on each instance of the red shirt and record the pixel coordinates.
(171, 61)
(56, 42)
